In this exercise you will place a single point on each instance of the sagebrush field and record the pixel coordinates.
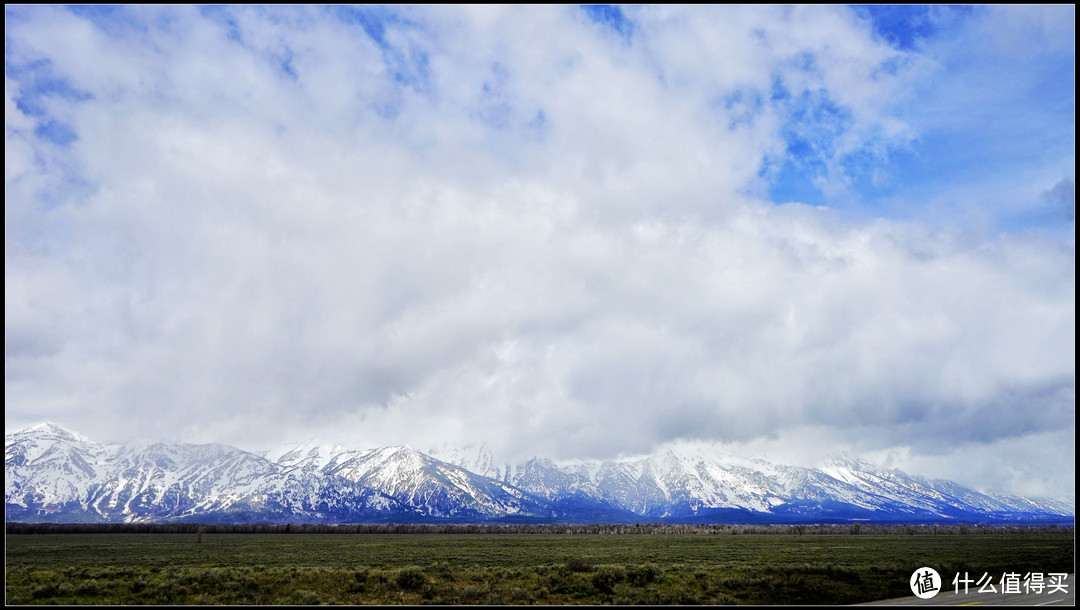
(215, 568)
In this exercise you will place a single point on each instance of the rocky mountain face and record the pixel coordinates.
(696, 486)
(53, 474)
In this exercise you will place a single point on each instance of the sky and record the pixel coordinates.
(571, 232)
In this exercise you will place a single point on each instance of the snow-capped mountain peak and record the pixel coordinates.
(48, 430)
(52, 473)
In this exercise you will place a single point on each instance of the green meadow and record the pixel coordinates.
(230, 568)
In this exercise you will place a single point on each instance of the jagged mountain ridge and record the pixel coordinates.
(53, 474)
(683, 486)
(438, 488)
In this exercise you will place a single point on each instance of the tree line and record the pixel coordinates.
(494, 528)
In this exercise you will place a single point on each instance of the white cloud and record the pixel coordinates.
(516, 228)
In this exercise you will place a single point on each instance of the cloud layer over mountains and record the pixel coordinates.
(563, 231)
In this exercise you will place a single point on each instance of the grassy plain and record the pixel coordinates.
(503, 568)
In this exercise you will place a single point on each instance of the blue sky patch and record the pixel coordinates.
(114, 20)
(56, 132)
(284, 61)
(742, 107)
(610, 16)
(223, 15)
(37, 82)
(408, 66)
(792, 183)
(906, 26)
(370, 18)
(814, 124)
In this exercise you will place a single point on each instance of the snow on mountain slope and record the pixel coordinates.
(49, 471)
(311, 455)
(55, 474)
(684, 483)
(438, 488)
(938, 495)
(474, 457)
(49, 465)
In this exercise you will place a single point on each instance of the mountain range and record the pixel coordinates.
(53, 474)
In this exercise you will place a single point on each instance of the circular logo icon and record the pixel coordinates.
(925, 583)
